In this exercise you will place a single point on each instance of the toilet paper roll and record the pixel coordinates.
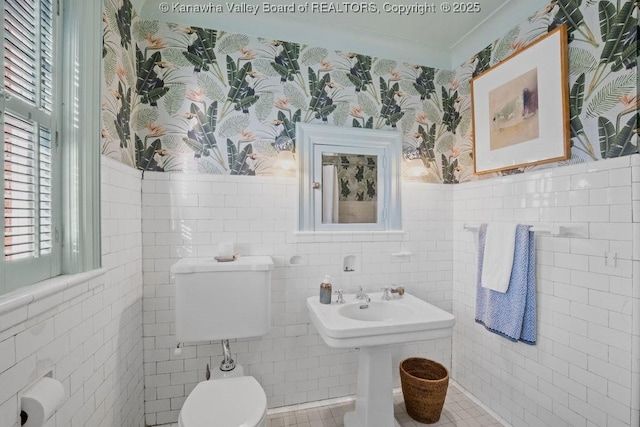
(41, 401)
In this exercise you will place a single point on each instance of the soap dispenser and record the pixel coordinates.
(325, 290)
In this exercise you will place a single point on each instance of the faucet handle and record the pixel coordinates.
(340, 299)
(385, 293)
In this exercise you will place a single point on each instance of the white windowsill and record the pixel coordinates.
(27, 296)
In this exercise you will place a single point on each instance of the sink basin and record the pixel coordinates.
(380, 311)
(396, 321)
(372, 327)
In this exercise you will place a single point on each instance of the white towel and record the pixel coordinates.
(498, 256)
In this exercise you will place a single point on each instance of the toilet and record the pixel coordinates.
(225, 402)
(223, 301)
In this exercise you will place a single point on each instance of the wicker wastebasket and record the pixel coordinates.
(424, 387)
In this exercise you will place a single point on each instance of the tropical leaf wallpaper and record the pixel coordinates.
(192, 99)
(603, 77)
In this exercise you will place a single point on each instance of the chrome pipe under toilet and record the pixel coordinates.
(227, 364)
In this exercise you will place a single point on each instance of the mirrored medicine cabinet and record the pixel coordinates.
(349, 178)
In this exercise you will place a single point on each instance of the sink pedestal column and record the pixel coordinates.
(374, 398)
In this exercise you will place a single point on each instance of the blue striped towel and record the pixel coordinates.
(511, 314)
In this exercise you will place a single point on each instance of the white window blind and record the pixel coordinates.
(29, 114)
(27, 189)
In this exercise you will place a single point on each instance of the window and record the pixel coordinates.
(29, 114)
(49, 116)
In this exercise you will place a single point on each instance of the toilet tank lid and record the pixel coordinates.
(242, 263)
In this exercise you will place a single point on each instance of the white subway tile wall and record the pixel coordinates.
(89, 333)
(188, 215)
(584, 371)
(585, 368)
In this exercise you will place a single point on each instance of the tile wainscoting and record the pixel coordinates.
(99, 336)
(188, 215)
(87, 328)
(584, 369)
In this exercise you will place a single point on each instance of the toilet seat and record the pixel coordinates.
(229, 402)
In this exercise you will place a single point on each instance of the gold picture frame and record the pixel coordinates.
(520, 108)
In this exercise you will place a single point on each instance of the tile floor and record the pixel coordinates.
(458, 411)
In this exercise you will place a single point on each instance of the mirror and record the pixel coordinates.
(349, 188)
(349, 178)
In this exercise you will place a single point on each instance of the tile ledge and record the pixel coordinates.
(26, 295)
(347, 233)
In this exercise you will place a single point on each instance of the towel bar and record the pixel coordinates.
(554, 230)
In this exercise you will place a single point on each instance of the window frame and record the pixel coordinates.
(21, 272)
(81, 125)
(76, 138)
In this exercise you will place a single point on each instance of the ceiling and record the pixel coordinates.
(433, 37)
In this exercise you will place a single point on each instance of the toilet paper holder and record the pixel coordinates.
(40, 400)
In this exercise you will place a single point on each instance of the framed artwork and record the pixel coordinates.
(520, 108)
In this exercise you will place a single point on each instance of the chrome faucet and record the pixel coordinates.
(386, 296)
(362, 295)
(340, 299)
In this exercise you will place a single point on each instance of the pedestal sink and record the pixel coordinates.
(380, 311)
(372, 327)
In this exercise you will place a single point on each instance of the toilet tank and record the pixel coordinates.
(222, 300)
